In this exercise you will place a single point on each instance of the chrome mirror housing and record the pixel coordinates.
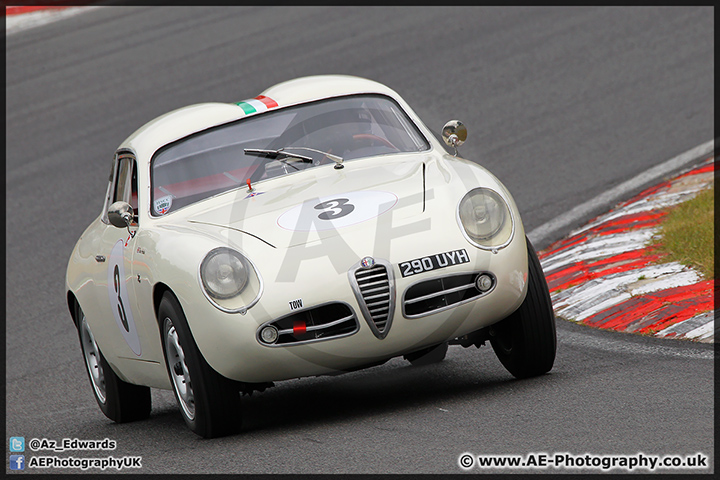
(120, 214)
(454, 134)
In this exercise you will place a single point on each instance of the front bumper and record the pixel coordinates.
(232, 345)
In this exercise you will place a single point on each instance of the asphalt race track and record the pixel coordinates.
(560, 103)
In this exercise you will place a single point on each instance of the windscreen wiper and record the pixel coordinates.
(279, 154)
(282, 154)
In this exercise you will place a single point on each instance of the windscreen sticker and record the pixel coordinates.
(337, 211)
(119, 299)
(163, 204)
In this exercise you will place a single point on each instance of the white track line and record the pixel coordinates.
(612, 196)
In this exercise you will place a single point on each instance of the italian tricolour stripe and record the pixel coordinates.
(257, 104)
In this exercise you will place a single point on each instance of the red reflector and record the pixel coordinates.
(299, 327)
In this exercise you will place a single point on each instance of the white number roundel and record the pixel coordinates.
(119, 300)
(337, 211)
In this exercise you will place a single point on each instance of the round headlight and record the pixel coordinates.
(224, 273)
(485, 217)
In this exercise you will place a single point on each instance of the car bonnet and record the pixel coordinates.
(361, 200)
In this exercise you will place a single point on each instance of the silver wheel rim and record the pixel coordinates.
(179, 373)
(91, 352)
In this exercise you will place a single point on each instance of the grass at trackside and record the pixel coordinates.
(686, 233)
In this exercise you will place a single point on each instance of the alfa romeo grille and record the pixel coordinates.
(430, 296)
(374, 288)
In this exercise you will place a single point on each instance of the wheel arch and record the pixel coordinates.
(73, 305)
(158, 292)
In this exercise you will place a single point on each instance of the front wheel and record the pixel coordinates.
(209, 403)
(526, 342)
(120, 401)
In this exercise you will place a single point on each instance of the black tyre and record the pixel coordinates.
(525, 342)
(427, 356)
(209, 403)
(120, 401)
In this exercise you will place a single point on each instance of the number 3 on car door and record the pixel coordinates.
(119, 299)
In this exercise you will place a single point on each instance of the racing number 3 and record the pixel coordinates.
(121, 307)
(119, 290)
(339, 206)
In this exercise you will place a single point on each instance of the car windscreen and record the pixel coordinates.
(279, 142)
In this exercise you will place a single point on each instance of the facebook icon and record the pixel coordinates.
(17, 462)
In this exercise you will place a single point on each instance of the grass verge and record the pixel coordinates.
(687, 233)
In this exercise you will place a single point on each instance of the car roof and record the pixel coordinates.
(184, 121)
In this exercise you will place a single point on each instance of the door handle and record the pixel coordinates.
(99, 258)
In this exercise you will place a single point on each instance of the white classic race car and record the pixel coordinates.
(317, 228)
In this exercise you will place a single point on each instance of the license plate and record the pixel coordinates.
(433, 262)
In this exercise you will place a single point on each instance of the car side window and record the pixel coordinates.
(108, 195)
(125, 188)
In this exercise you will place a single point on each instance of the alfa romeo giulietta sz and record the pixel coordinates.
(317, 228)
